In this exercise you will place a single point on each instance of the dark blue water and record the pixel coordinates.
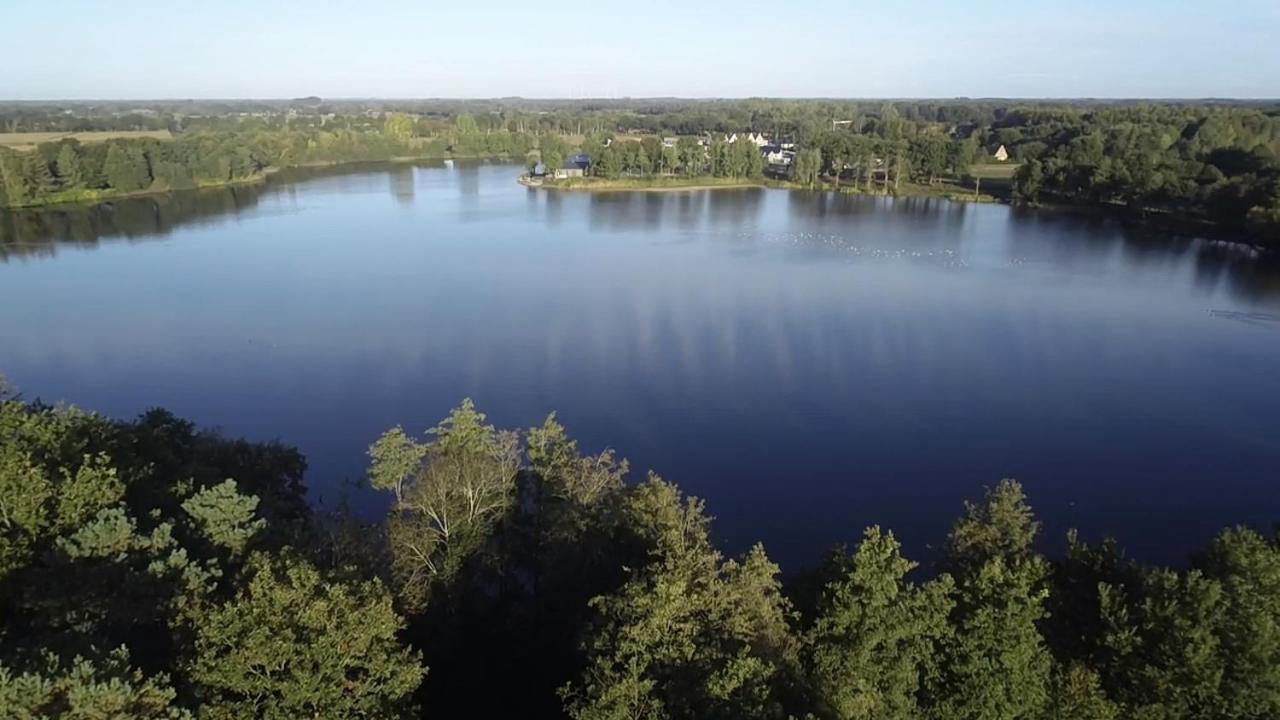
(808, 363)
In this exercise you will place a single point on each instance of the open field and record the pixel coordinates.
(993, 171)
(28, 140)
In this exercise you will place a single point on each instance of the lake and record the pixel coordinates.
(809, 363)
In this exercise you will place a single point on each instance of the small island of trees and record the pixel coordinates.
(150, 570)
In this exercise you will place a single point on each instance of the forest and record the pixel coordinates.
(152, 570)
(1216, 163)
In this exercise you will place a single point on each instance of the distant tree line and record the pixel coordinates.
(68, 170)
(1218, 164)
(1211, 161)
(514, 575)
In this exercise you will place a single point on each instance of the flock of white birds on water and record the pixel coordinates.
(846, 246)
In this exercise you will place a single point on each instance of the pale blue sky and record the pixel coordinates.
(693, 48)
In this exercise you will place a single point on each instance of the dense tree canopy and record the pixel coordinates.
(149, 570)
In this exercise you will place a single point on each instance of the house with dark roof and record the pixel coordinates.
(575, 166)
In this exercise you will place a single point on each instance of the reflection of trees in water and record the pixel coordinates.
(1249, 275)
(685, 210)
(40, 231)
(1071, 235)
(402, 184)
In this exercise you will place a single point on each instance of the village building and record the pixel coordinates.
(575, 166)
(777, 155)
(1000, 154)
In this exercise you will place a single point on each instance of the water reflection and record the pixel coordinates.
(40, 231)
(853, 224)
(809, 362)
(401, 182)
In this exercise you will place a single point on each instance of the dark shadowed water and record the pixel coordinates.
(808, 363)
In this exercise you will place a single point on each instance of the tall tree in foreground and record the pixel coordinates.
(1247, 566)
(690, 635)
(1163, 660)
(875, 639)
(996, 666)
(450, 493)
(294, 645)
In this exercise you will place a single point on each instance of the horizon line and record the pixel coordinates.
(687, 98)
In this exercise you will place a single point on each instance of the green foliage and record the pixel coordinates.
(875, 640)
(87, 690)
(35, 169)
(1214, 163)
(807, 166)
(399, 127)
(564, 474)
(538, 583)
(692, 156)
(126, 168)
(1001, 526)
(292, 644)
(70, 174)
(1164, 659)
(228, 519)
(1247, 567)
(119, 535)
(996, 664)
(1076, 694)
(450, 494)
(688, 636)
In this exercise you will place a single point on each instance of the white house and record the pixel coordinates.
(1001, 154)
(775, 155)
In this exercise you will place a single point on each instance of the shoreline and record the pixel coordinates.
(1162, 221)
(98, 197)
(600, 185)
(615, 186)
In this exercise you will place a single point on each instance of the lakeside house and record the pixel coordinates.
(575, 166)
(777, 155)
(1000, 154)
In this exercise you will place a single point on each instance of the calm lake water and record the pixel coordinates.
(809, 363)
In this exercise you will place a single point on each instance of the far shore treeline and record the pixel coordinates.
(149, 570)
(1216, 163)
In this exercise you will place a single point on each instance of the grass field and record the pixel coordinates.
(994, 171)
(28, 140)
